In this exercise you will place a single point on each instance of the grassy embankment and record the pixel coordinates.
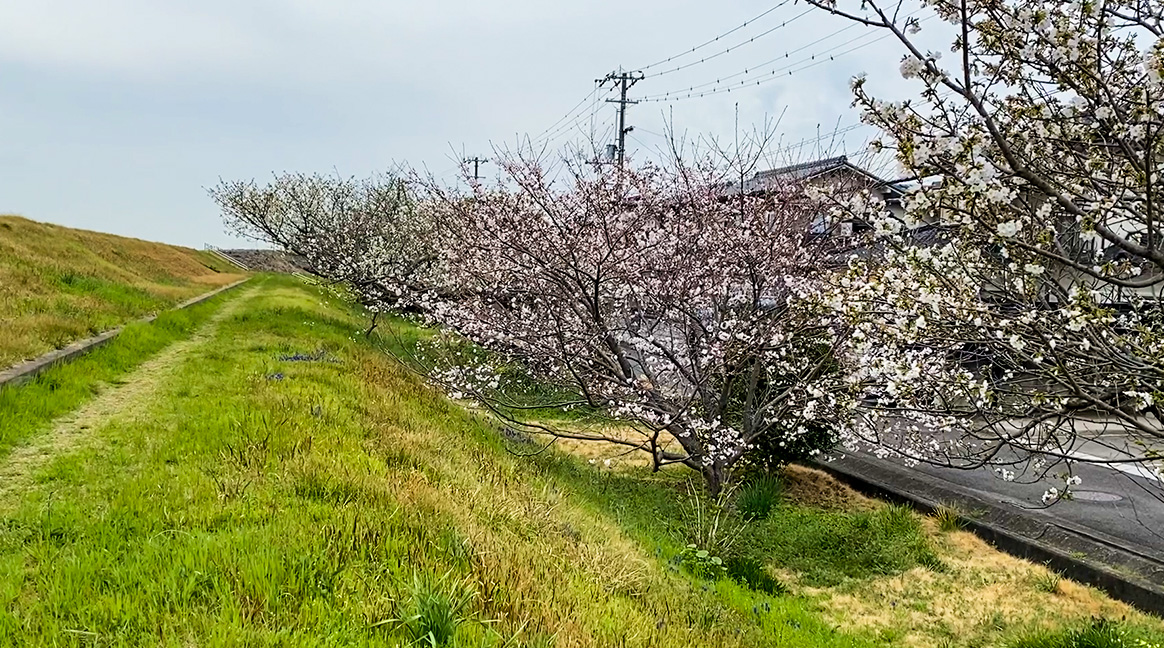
(58, 285)
(286, 483)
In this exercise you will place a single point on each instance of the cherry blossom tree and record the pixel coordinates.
(662, 297)
(1012, 316)
(364, 233)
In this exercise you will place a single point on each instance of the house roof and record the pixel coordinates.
(805, 170)
(808, 170)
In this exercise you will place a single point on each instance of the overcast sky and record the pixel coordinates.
(115, 115)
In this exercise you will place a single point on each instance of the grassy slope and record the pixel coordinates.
(58, 285)
(270, 495)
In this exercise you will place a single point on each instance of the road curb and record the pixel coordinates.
(28, 370)
(1081, 554)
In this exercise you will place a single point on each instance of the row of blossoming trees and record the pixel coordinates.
(1009, 317)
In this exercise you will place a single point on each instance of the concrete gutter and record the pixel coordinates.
(26, 371)
(1126, 573)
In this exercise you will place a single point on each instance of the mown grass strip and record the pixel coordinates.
(28, 408)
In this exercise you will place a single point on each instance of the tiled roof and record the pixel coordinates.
(804, 169)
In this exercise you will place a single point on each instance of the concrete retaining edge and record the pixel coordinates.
(28, 370)
(1081, 555)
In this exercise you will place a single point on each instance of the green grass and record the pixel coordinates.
(830, 547)
(59, 285)
(334, 500)
(28, 408)
(949, 518)
(241, 508)
(1099, 633)
(758, 497)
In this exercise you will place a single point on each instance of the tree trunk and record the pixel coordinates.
(714, 477)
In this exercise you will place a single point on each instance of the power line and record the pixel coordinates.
(714, 40)
(651, 132)
(753, 68)
(783, 147)
(771, 75)
(566, 128)
(552, 133)
(733, 47)
(762, 77)
(568, 114)
(819, 138)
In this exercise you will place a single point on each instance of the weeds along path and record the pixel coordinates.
(131, 394)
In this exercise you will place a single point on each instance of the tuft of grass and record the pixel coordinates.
(437, 606)
(1048, 581)
(710, 523)
(59, 285)
(948, 518)
(758, 497)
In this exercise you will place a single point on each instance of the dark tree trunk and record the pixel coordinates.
(714, 477)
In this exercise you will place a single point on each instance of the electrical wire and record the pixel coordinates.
(791, 68)
(753, 68)
(772, 75)
(733, 47)
(716, 39)
(819, 138)
(568, 114)
(565, 128)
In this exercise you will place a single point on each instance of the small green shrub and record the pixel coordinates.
(701, 563)
(758, 497)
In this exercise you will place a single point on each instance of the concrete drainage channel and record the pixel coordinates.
(1079, 553)
(26, 371)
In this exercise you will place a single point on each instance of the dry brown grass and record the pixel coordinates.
(982, 595)
(812, 487)
(605, 453)
(58, 284)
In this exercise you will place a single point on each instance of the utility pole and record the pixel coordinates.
(477, 162)
(624, 80)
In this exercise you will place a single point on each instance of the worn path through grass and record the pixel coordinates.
(29, 409)
(131, 395)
